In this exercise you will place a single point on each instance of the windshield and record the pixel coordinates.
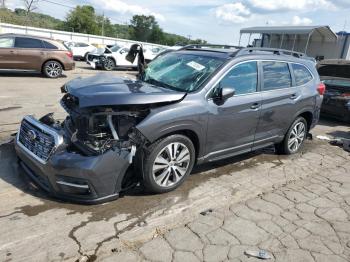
(115, 48)
(182, 72)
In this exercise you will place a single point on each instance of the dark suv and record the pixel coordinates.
(189, 106)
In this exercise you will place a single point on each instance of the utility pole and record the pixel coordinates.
(3, 4)
(103, 24)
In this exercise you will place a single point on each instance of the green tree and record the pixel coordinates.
(145, 28)
(83, 20)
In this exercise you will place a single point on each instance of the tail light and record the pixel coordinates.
(69, 54)
(321, 88)
(345, 95)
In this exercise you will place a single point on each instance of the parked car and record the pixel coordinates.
(151, 53)
(189, 106)
(80, 50)
(112, 58)
(23, 52)
(335, 74)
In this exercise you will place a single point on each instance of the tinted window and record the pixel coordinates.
(301, 74)
(81, 45)
(276, 75)
(24, 42)
(49, 45)
(6, 42)
(243, 78)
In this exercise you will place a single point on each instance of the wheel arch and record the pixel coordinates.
(308, 116)
(52, 59)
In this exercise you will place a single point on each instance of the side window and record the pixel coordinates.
(243, 78)
(6, 42)
(49, 45)
(81, 45)
(24, 42)
(276, 75)
(302, 74)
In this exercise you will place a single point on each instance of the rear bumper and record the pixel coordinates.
(338, 108)
(69, 66)
(74, 177)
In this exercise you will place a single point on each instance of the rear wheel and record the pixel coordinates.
(169, 163)
(109, 64)
(294, 139)
(52, 69)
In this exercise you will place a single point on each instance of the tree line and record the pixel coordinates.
(84, 19)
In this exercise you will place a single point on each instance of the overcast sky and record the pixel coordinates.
(217, 21)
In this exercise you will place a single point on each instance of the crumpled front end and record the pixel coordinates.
(84, 158)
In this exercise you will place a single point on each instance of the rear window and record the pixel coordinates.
(48, 45)
(276, 75)
(302, 74)
(6, 42)
(24, 42)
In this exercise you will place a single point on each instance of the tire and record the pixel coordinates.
(109, 64)
(297, 133)
(52, 69)
(161, 173)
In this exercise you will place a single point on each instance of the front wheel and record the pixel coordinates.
(294, 138)
(52, 69)
(109, 64)
(170, 161)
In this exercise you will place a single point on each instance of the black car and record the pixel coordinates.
(194, 105)
(335, 74)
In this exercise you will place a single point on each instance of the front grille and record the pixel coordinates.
(36, 140)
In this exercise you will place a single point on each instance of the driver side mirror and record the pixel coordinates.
(122, 51)
(224, 93)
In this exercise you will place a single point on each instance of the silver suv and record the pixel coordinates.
(194, 105)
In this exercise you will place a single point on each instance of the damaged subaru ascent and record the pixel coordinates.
(194, 105)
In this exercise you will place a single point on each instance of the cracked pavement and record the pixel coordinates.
(295, 207)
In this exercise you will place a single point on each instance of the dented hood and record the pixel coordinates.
(107, 90)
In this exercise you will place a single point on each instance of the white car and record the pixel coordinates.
(111, 58)
(151, 53)
(80, 50)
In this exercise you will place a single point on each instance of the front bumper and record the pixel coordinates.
(74, 177)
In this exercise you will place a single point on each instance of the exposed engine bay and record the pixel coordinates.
(95, 130)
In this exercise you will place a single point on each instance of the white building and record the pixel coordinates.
(316, 41)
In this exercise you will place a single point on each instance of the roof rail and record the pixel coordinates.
(198, 46)
(275, 51)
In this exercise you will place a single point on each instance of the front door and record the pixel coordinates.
(7, 53)
(232, 123)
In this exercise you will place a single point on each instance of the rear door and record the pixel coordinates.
(7, 53)
(232, 123)
(30, 53)
(279, 102)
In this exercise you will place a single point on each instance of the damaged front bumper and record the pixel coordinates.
(45, 156)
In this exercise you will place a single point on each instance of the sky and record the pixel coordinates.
(217, 21)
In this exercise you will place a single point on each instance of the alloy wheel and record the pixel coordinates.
(53, 69)
(109, 64)
(171, 164)
(296, 136)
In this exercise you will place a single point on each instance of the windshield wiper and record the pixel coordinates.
(153, 81)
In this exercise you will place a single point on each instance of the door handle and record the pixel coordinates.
(255, 106)
(293, 96)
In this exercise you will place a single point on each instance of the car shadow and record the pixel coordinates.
(25, 74)
(12, 174)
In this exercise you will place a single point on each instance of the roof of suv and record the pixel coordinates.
(234, 51)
